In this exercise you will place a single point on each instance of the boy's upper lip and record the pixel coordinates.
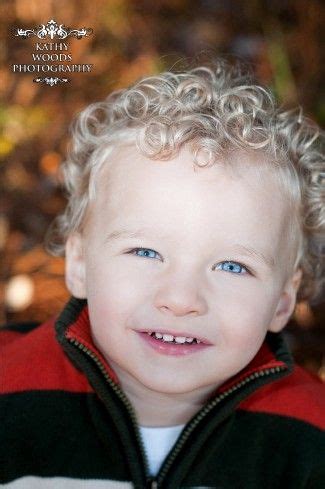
(176, 333)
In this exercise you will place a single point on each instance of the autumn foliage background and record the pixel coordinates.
(281, 39)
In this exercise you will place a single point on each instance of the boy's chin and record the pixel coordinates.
(176, 387)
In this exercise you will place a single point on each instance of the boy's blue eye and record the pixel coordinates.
(231, 266)
(145, 252)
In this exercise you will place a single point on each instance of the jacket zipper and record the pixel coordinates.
(154, 483)
(120, 394)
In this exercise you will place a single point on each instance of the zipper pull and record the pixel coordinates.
(152, 484)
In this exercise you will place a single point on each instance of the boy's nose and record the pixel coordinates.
(181, 297)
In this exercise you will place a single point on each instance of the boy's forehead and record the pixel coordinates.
(236, 164)
(127, 172)
(235, 186)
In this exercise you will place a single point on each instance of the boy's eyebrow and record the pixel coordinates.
(246, 250)
(114, 235)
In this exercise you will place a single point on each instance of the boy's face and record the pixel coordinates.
(196, 253)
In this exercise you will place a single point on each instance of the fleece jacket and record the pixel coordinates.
(67, 423)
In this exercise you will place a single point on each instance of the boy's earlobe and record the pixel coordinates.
(287, 303)
(75, 277)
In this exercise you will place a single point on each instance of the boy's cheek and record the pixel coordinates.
(241, 333)
(127, 273)
(113, 294)
(246, 301)
(245, 322)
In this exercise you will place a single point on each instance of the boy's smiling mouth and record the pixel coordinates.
(169, 343)
(174, 337)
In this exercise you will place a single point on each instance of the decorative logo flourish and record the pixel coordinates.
(52, 30)
(51, 81)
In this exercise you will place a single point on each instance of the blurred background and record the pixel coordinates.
(281, 39)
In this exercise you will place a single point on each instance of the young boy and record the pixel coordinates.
(195, 216)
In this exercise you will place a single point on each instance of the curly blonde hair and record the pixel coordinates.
(214, 109)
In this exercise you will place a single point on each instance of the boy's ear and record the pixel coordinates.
(286, 303)
(75, 277)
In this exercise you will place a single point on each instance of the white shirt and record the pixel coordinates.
(158, 443)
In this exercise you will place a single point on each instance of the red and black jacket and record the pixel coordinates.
(66, 423)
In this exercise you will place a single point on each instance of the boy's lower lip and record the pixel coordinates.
(166, 348)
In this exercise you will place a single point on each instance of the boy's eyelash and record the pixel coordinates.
(247, 270)
(132, 252)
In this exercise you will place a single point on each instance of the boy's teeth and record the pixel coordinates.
(170, 338)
